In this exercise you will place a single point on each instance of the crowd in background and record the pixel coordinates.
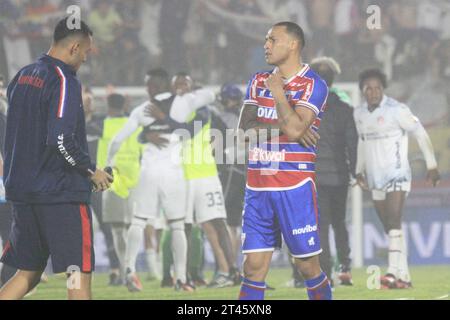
(220, 41)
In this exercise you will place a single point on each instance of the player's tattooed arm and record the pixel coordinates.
(294, 124)
(253, 128)
(248, 123)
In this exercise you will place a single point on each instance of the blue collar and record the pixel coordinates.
(48, 59)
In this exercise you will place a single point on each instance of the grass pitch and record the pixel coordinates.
(430, 282)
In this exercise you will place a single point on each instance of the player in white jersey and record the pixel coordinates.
(383, 126)
(205, 198)
(162, 184)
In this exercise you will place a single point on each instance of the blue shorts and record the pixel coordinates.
(62, 232)
(291, 213)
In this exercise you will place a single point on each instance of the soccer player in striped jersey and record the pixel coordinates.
(285, 105)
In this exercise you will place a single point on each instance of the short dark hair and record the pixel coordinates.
(158, 73)
(116, 101)
(293, 29)
(182, 74)
(372, 73)
(63, 31)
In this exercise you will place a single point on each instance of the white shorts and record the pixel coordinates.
(380, 195)
(205, 200)
(161, 188)
(158, 223)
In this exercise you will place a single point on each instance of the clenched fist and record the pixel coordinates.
(275, 83)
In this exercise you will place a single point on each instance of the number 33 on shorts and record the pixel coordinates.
(214, 199)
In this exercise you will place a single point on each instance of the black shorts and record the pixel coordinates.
(62, 232)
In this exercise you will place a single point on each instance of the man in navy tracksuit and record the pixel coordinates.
(48, 174)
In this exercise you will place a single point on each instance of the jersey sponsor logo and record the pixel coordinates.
(63, 150)
(290, 94)
(158, 127)
(267, 113)
(377, 135)
(263, 93)
(258, 154)
(307, 229)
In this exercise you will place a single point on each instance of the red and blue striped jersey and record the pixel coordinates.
(279, 164)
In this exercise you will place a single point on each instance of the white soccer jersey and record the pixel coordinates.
(162, 178)
(383, 142)
(182, 107)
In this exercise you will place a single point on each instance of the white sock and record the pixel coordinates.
(403, 263)
(120, 245)
(151, 257)
(135, 238)
(179, 251)
(395, 251)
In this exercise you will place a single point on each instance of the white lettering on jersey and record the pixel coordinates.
(258, 154)
(267, 113)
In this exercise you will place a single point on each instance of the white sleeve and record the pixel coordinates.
(424, 142)
(184, 105)
(405, 118)
(412, 125)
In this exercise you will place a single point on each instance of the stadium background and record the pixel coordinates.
(220, 41)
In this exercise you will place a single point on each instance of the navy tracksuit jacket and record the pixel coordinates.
(46, 152)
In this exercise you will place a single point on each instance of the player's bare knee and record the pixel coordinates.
(208, 228)
(393, 223)
(32, 277)
(219, 224)
(309, 267)
(254, 272)
(255, 268)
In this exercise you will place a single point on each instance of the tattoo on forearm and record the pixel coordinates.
(284, 118)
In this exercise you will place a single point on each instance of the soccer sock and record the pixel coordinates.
(167, 257)
(179, 250)
(120, 245)
(403, 263)
(150, 255)
(252, 290)
(395, 251)
(319, 288)
(135, 238)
